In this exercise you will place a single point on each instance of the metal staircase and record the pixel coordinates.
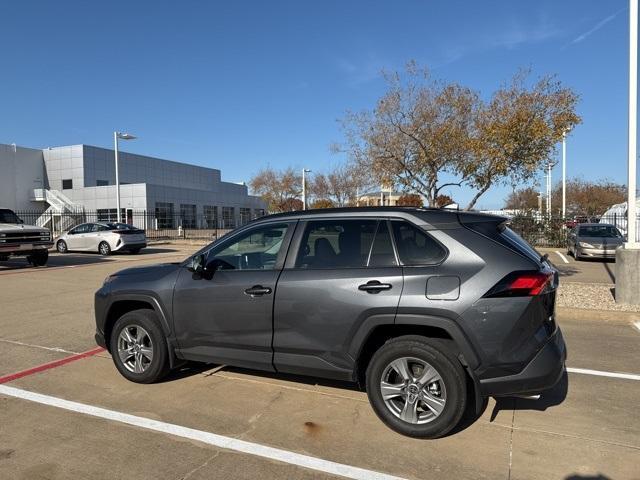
(61, 214)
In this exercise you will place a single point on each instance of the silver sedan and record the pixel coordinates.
(594, 240)
(102, 237)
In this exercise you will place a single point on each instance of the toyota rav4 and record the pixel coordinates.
(429, 310)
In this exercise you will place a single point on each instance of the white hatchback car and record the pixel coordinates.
(102, 237)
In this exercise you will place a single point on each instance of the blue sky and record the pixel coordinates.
(240, 85)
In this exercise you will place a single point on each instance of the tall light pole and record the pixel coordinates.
(564, 174)
(632, 233)
(116, 136)
(304, 188)
(628, 256)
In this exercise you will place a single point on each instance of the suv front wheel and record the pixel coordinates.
(138, 347)
(416, 386)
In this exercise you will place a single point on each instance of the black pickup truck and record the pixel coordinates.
(18, 239)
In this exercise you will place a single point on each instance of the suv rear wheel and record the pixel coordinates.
(416, 386)
(139, 348)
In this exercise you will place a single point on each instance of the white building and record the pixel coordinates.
(82, 178)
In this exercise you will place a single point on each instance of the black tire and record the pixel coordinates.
(104, 249)
(158, 367)
(437, 354)
(39, 259)
(61, 246)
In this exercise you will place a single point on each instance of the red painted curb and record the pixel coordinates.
(50, 365)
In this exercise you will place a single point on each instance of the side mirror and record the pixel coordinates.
(197, 264)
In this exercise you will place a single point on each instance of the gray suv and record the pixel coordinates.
(430, 310)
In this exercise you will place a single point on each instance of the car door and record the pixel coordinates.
(76, 237)
(343, 278)
(97, 234)
(225, 314)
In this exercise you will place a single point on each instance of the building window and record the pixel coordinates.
(110, 214)
(245, 216)
(258, 212)
(210, 216)
(102, 183)
(67, 184)
(228, 217)
(188, 215)
(164, 215)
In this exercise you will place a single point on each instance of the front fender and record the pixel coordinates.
(145, 297)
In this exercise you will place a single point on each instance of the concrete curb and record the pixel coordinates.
(586, 314)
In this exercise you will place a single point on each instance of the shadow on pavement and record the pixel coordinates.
(67, 260)
(598, 476)
(612, 275)
(547, 399)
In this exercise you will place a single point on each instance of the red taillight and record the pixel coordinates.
(521, 284)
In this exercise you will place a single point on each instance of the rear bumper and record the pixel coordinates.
(130, 246)
(543, 372)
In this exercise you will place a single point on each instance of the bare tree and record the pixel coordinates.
(517, 131)
(423, 130)
(522, 199)
(278, 189)
(420, 129)
(340, 186)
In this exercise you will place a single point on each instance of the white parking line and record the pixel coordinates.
(564, 259)
(600, 373)
(637, 325)
(213, 439)
(51, 349)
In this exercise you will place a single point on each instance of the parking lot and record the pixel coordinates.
(584, 271)
(65, 415)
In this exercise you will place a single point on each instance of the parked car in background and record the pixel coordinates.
(579, 220)
(18, 239)
(430, 309)
(594, 240)
(102, 237)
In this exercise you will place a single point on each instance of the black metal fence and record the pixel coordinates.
(552, 231)
(173, 226)
(537, 229)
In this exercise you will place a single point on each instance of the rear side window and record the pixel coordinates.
(416, 247)
(336, 244)
(516, 242)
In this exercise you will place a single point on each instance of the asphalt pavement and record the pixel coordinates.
(582, 271)
(79, 418)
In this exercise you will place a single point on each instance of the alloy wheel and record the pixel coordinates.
(413, 390)
(135, 348)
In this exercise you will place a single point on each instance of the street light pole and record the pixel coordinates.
(304, 188)
(116, 136)
(632, 234)
(564, 174)
(628, 256)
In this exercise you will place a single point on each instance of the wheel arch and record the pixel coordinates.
(376, 331)
(127, 303)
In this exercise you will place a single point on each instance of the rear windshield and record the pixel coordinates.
(600, 231)
(120, 226)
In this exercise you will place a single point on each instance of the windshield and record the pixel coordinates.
(600, 231)
(7, 216)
